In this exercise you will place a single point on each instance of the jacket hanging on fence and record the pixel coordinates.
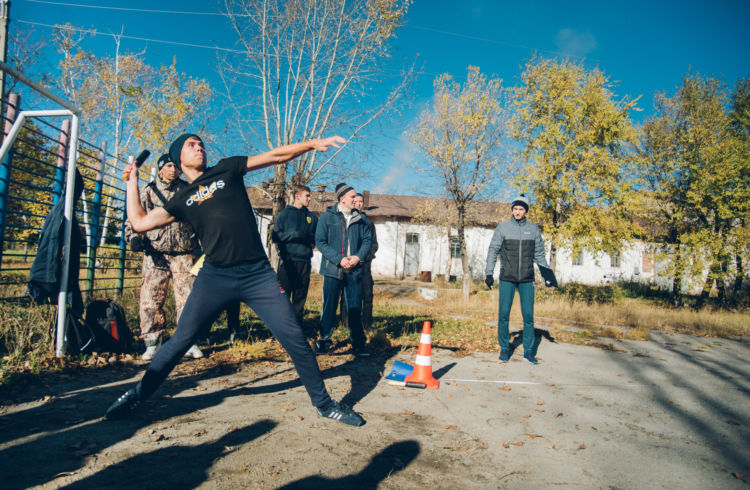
(45, 273)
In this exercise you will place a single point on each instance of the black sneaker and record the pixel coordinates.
(123, 406)
(530, 358)
(504, 355)
(342, 413)
(322, 346)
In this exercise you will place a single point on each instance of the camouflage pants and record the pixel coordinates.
(157, 271)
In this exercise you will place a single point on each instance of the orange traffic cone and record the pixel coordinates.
(423, 365)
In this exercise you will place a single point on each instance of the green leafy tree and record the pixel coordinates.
(697, 170)
(462, 134)
(574, 137)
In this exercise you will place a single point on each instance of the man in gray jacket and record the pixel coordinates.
(519, 244)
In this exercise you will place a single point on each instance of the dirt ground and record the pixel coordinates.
(670, 413)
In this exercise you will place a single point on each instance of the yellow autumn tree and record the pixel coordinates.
(461, 135)
(575, 137)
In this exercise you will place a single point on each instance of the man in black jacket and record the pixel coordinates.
(294, 234)
(367, 282)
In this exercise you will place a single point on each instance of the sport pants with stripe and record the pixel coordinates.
(215, 288)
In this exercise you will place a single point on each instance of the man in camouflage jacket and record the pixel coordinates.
(168, 253)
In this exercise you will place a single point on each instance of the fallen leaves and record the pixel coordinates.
(201, 432)
(582, 446)
(506, 388)
(533, 436)
(558, 415)
(450, 427)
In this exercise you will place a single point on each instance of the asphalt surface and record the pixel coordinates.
(670, 413)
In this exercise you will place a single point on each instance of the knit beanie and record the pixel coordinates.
(163, 160)
(520, 201)
(342, 189)
(175, 149)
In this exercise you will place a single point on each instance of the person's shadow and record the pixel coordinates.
(175, 466)
(516, 339)
(390, 460)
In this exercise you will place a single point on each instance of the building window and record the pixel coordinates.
(614, 258)
(455, 248)
(578, 259)
(412, 238)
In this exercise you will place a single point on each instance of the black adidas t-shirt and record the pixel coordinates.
(217, 207)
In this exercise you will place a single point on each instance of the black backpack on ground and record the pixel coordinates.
(106, 319)
(79, 339)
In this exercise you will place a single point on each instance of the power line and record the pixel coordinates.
(102, 7)
(96, 33)
(421, 28)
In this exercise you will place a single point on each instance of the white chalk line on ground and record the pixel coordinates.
(582, 385)
(501, 381)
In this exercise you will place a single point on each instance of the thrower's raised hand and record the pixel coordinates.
(128, 170)
(324, 143)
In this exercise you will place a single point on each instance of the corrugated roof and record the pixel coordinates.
(481, 213)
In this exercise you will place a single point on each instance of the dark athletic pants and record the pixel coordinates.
(295, 278)
(214, 289)
(506, 291)
(367, 287)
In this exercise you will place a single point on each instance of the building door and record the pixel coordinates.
(411, 255)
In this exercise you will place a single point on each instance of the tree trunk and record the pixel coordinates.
(737, 287)
(555, 224)
(278, 191)
(707, 285)
(677, 279)
(466, 283)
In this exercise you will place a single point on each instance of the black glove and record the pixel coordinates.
(300, 235)
(139, 243)
(489, 280)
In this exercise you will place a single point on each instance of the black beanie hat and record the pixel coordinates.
(163, 160)
(520, 201)
(342, 189)
(175, 149)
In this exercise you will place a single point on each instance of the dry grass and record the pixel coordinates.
(399, 312)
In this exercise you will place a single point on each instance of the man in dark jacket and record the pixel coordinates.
(344, 241)
(519, 244)
(367, 282)
(294, 234)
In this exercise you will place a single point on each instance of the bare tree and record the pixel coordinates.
(306, 69)
(462, 135)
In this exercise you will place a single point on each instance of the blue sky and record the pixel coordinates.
(645, 46)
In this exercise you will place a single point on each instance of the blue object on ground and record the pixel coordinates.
(400, 371)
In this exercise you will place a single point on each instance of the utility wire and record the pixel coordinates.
(96, 33)
(417, 27)
(151, 11)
